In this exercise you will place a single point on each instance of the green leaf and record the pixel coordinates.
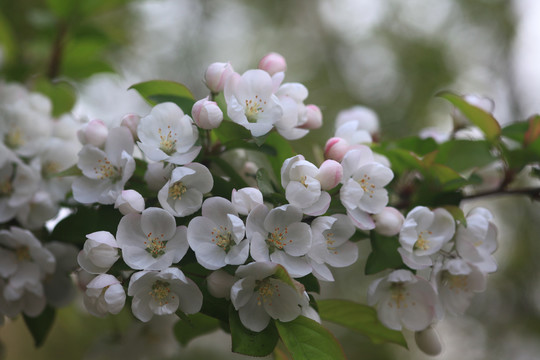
(462, 155)
(457, 214)
(242, 144)
(359, 318)
(283, 149)
(230, 172)
(533, 131)
(7, 40)
(72, 171)
(264, 183)
(247, 342)
(311, 283)
(417, 145)
(516, 131)
(158, 91)
(229, 131)
(384, 254)
(308, 340)
(61, 94)
(193, 326)
(283, 275)
(484, 120)
(40, 326)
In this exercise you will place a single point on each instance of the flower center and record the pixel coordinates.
(222, 237)
(155, 246)
(253, 108)
(422, 243)
(330, 242)
(14, 138)
(22, 253)
(106, 170)
(265, 291)
(366, 185)
(167, 142)
(455, 283)
(160, 292)
(177, 190)
(303, 181)
(277, 239)
(49, 168)
(6, 188)
(399, 296)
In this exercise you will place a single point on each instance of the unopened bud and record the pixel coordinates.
(388, 222)
(129, 201)
(336, 148)
(207, 114)
(219, 284)
(273, 63)
(428, 341)
(314, 117)
(330, 174)
(246, 199)
(94, 133)
(131, 121)
(216, 74)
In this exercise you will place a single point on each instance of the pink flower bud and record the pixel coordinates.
(207, 114)
(94, 133)
(314, 117)
(216, 74)
(388, 222)
(273, 63)
(330, 174)
(428, 341)
(336, 148)
(129, 201)
(220, 283)
(131, 121)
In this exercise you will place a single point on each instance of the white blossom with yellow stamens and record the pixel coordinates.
(424, 233)
(151, 240)
(162, 293)
(183, 194)
(217, 237)
(103, 295)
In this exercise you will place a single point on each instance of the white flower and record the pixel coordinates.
(476, 242)
(162, 293)
(353, 134)
(389, 221)
(278, 235)
(99, 253)
(217, 237)
(216, 75)
(258, 296)
(291, 97)
(330, 245)
(59, 287)
(219, 284)
(34, 214)
(404, 299)
(105, 172)
(363, 190)
(300, 178)
(423, 234)
(246, 199)
(151, 240)
(104, 294)
(365, 118)
(18, 183)
(250, 101)
(207, 114)
(182, 195)
(167, 134)
(428, 341)
(94, 133)
(273, 63)
(157, 174)
(457, 282)
(129, 201)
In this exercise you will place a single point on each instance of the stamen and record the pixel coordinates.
(177, 190)
(168, 141)
(160, 292)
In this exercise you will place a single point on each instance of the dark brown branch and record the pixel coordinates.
(57, 51)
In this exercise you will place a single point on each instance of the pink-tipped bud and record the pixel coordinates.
(219, 284)
(131, 121)
(216, 74)
(207, 114)
(314, 117)
(330, 174)
(336, 148)
(94, 133)
(129, 201)
(388, 222)
(273, 63)
(428, 341)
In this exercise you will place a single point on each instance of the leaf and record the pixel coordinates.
(484, 120)
(515, 131)
(158, 91)
(457, 214)
(61, 94)
(283, 149)
(533, 131)
(193, 326)
(230, 172)
(417, 145)
(264, 183)
(40, 326)
(384, 254)
(359, 318)
(306, 339)
(283, 275)
(247, 342)
(229, 131)
(242, 144)
(462, 155)
(72, 171)
(311, 283)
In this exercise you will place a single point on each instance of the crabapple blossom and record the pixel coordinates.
(207, 114)
(313, 117)
(59, 287)
(129, 201)
(104, 294)
(167, 134)
(246, 199)
(363, 190)
(365, 118)
(389, 221)
(424, 233)
(404, 300)
(216, 75)
(18, 184)
(258, 296)
(99, 253)
(291, 97)
(331, 245)
(251, 102)
(428, 341)
(94, 133)
(157, 175)
(353, 134)
(278, 235)
(131, 121)
(457, 281)
(476, 242)
(300, 178)
(336, 148)
(151, 240)
(105, 172)
(182, 195)
(163, 292)
(219, 284)
(217, 237)
(34, 214)
(273, 63)
(330, 174)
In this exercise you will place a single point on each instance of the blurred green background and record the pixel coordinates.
(390, 55)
